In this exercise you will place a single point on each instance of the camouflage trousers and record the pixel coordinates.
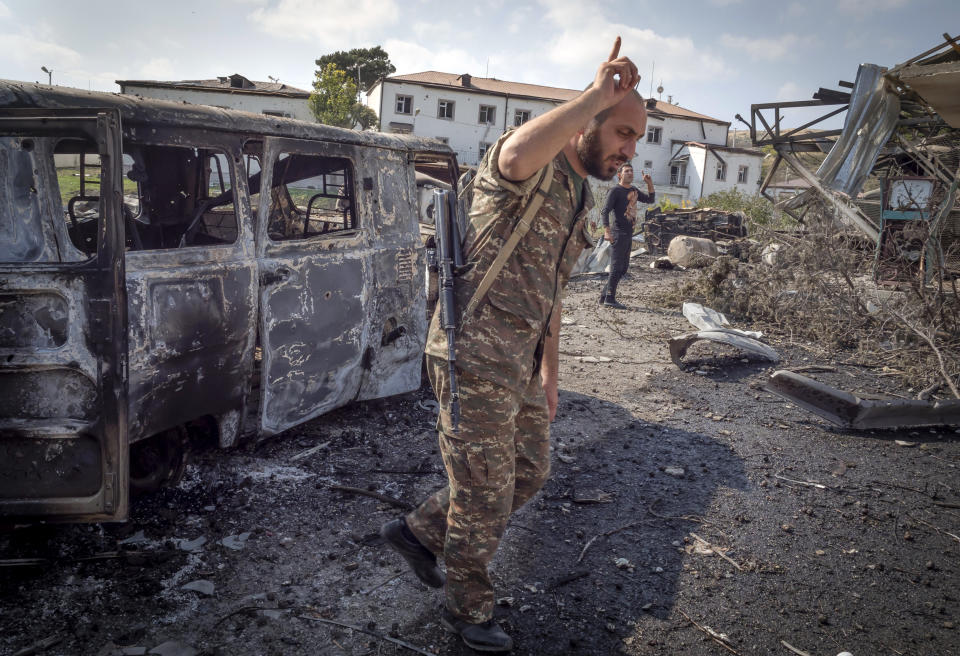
(496, 462)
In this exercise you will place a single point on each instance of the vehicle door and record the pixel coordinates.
(63, 341)
(315, 276)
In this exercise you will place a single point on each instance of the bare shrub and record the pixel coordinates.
(820, 289)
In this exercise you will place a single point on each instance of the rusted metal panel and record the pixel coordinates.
(851, 411)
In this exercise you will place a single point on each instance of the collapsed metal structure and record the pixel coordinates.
(902, 127)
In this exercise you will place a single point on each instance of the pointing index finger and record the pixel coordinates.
(615, 52)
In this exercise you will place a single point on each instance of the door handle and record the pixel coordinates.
(273, 277)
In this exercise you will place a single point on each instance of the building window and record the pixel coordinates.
(404, 105)
(445, 109)
(488, 114)
(520, 117)
(484, 147)
(721, 171)
(648, 164)
(742, 174)
(654, 134)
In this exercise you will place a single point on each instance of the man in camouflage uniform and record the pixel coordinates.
(508, 351)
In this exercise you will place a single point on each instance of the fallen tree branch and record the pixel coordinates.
(819, 486)
(380, 585)
(606, 535)
(936, 351)
(403, 505)
(799, 652)
(375, 634)
(717, 551)
(716, 637)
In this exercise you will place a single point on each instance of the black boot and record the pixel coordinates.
(487, 636)
(421, 560)
(611, 302)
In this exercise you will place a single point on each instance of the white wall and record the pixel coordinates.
(257, 103)
(733, 161)
(464, 132)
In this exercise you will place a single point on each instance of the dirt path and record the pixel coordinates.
(681, 502)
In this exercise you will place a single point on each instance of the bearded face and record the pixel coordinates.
(590, 150)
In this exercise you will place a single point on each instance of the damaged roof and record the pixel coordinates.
(235, 83)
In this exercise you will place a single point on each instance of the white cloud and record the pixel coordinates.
(764, 48)
(869, 6)
(158, 68)
(789, 91)
(333, 23)
(723, 3)
(4, 11)
(27, 48)
(585, 40)
(411, 57)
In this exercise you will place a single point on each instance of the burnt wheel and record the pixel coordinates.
(158, 461)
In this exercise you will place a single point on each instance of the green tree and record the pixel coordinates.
(374, 64)
(334, 97)
(363, 116)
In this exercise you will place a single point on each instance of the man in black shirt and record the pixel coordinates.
(622, 201)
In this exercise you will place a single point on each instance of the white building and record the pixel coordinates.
(468, 113)
(681, 150)
(228, 92)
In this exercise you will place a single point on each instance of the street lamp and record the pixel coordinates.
(49, 72)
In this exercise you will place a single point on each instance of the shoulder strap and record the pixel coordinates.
(523, 226)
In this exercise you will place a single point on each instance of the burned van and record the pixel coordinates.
(165, 265)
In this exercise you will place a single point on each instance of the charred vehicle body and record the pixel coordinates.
(164, 265)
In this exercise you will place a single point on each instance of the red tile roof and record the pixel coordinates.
(497, 87)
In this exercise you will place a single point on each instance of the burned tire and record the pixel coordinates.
(158, 461)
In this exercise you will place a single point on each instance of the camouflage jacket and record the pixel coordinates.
(500, 342)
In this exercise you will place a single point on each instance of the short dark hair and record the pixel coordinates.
(625, 165)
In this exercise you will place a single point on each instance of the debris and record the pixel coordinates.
(692, 251)
(39, 646)
(375, 495)
(606, 534)
(173, 648)
(680, 344)
(202, 586)
(380, 585)
(190, 545)
(564, 458)
(136, 538)
(309, 452)
(800, 652)
(717, 551)
(819, 486)
(623, 563)
(904, 443)
(771, 254)
(505, 601)
(663, 262)
(592, 495)
(850, 411)
(704, 318)
(429, 406)
(569, 578)
(380, 636)
(593, 260)
(659, 228)
(235, 542)
(677, 472)
(720, 638)
(593, 358)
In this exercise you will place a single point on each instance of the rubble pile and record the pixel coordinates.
(660, 228)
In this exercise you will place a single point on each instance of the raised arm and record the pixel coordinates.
(532, 145)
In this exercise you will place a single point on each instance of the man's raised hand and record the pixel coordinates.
(616, 77)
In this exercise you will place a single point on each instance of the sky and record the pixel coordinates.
(715, 57)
